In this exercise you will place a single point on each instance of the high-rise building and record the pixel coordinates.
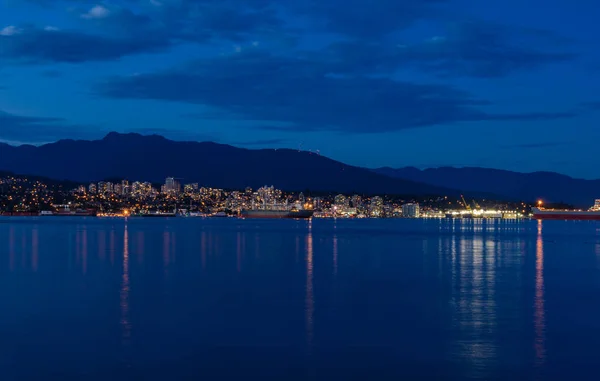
(105, 187)
(172, 185)
(93, 188)
(411, 210)
(125, 188)
(118, 189)
(136, 188)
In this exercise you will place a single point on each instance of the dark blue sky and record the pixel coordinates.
(506, 84)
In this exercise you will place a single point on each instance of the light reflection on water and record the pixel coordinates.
(473, 299)
(540, 315)
(125, 320)
(310, 302)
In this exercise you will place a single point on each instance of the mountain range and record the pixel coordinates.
(153, 158)
(547, 186)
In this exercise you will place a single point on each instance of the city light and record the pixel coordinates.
(121, 199)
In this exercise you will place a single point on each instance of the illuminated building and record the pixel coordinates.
(105, 187)
(341, 201)
(234, 201)
(139, 189)
(190, 188)
(411, 210)
(301, 198)
(376, 206)
(318, 203)
(172, 186)
(268, 195)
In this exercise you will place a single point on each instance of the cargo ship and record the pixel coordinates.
(277, 211)
(542, 213)
(257, 213)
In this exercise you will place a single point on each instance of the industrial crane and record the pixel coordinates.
(465, 203)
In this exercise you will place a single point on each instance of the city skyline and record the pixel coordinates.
(423, 83)
(21, 196)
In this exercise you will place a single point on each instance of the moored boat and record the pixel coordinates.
(66, 211)
(293, 213)
(542, 213)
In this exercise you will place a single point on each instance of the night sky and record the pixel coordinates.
(505, 84)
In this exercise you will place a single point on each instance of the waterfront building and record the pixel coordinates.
(318, 203)
(411, 210)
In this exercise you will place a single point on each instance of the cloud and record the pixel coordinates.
(44, 46)
(364, 31)
(142, 25)
(96, 12)
(10, 30)
(470, 49)
(35, 129)
(484, 50)
(291, 93)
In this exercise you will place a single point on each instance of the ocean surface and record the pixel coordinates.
(230, 299)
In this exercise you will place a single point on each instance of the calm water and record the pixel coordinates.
(93, 299)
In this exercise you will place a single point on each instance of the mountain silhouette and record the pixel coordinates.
(153, 158)
(548, 186)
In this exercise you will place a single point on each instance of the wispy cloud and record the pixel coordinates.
(257, 85)
(96, 12)
(10, 30)
(469, 49)
(44, 46)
